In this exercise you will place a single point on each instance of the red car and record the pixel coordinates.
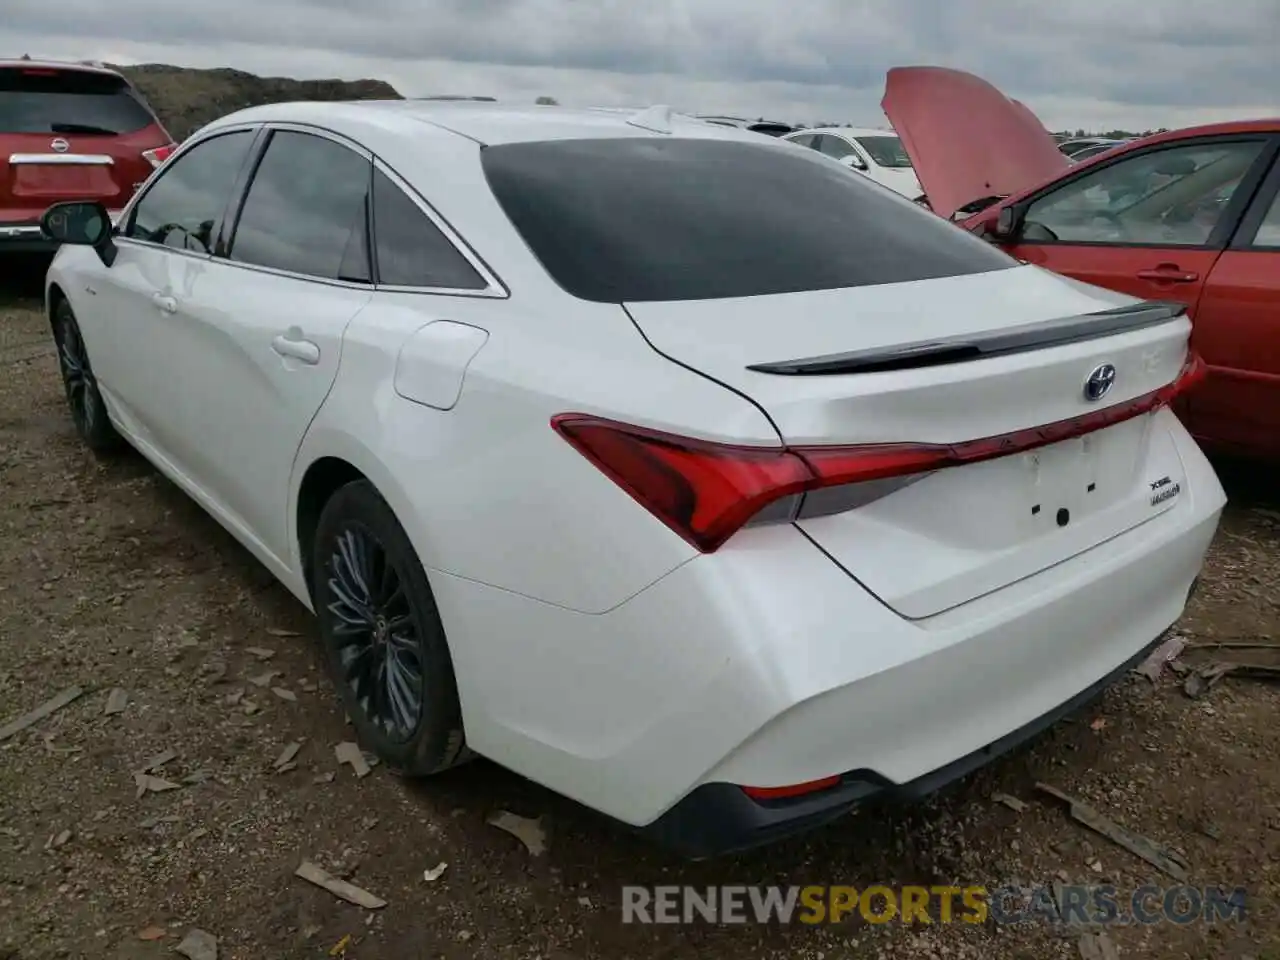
(1190, 215)
(69, 131)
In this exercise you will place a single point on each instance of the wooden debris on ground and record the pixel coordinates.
(46, 709)
(146, 783)
(349, 892)
(281, 632)
(1158, 856)
(117, 700)
(1097, 946)
(1202, 680)
(529, 832)
(435, 873)
(1013, 803)
(262, 653)
(198, 945)
(153, 933)
(348, 752)
(287, 755)
(1153, 666)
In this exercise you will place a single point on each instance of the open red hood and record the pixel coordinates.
(966, 139)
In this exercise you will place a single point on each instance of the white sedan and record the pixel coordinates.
(667, 465)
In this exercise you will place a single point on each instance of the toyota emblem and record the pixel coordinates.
(60, 146)
(1099, 382)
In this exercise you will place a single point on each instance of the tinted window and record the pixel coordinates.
(1170, 197)
(68, 102)
(182, 207)
(648, 218)
(804, 139)
(306, 210)
(412, 252)
(886, 151)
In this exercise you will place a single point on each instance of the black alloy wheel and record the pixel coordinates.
(384, 643)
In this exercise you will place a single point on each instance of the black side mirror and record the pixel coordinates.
(81, 223)
(1009, 223)
(853, 162)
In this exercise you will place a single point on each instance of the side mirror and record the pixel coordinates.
(853, 162)
(1008, 224)
(81, 223)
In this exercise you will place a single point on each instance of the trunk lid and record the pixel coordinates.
(966, 139)
(932, 541)
(71, 134)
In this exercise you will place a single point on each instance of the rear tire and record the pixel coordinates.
(384, 644)
(88, 411)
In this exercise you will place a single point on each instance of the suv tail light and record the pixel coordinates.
(707, 491)
(160, 154)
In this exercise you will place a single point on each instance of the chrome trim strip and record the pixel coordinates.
(62, 159)
(20, 233)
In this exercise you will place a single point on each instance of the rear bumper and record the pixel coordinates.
(24, 238)
(718, 818)
(765, 665)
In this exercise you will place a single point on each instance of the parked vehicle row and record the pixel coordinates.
(720, 501)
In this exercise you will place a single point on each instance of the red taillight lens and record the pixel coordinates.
(160, 154)
(795, 790)
(707, 491)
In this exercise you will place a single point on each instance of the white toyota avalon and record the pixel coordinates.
(669, 466)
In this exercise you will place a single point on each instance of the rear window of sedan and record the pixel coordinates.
(637, 219)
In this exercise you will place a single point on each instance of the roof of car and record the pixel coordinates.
(33, 64)
(485, 123)
(851, 131)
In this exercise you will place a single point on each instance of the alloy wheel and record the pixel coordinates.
(375, 633)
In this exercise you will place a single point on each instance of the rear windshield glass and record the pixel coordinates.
(886, 151)
(69, 102)
(647, 218)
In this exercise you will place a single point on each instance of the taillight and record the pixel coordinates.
(792, 791)
(160, 154)
(707, 491)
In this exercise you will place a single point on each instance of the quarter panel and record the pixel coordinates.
(487, 490)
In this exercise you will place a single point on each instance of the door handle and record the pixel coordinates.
(1168, 273)
(296, 349)
(164, 304)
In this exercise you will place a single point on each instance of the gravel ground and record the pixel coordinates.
(110, 579)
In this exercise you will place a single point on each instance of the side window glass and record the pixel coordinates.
(182, 207)
(834, 146)
(411, 249)
(305, 211)
(1173, 197)
(804, 140)
(1268, 234)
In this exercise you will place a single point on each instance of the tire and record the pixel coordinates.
(359, 545)
(88, 412)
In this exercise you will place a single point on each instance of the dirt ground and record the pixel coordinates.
(110, 578)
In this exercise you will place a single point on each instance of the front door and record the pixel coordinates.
(142, 351)
(1152, 224)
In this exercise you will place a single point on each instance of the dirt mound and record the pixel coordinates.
(187, 99)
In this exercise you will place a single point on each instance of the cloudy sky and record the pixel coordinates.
(1094, 63)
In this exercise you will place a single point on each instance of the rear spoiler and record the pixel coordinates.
(932, 353)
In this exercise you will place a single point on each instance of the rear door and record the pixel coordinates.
(257, 333)
(71, 134)
(1237, 332)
